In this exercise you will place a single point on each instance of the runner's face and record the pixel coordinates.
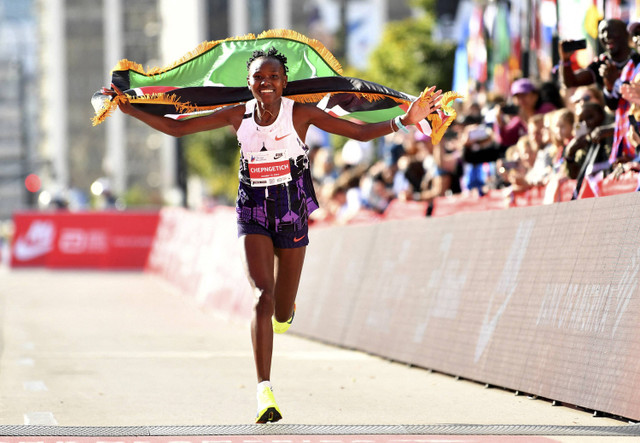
(267, 79)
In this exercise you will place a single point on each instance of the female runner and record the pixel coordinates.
(275, 195)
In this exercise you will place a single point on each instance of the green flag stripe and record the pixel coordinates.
(225, 64)
(378, 115)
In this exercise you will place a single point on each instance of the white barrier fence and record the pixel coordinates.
(542, 300)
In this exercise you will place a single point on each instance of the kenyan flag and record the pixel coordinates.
(214, 75)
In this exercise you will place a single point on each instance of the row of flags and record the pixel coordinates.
(495, 39)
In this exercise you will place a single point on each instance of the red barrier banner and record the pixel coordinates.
(459, 203)
(627, 182)
(566, 189)
(533, 196)
(402, 210)
(103, 240)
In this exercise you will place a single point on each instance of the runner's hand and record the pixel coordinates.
(123, 100)
(427, 103)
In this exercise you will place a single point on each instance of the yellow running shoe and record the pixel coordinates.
(281, 328)
(268, 410)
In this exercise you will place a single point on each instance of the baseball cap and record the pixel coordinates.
(522, 86)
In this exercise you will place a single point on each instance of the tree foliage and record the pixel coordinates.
(409, 60)
(214, 156)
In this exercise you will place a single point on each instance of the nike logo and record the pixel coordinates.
(38, 241)
(284, 136)
(24, 251)
(297, 239)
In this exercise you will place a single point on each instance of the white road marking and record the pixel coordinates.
(40, 419)
(34, 386)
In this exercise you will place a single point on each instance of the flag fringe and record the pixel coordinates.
(108, 109)
(156, 99)
(327, 56)
(438, 124)
(102, 114)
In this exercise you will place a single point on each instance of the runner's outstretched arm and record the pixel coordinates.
(231, 115)
(428, 102)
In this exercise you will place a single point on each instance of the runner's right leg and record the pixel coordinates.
(258, 260)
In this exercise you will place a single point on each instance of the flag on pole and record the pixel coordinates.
(214, 75)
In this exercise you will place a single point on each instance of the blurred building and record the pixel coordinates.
(18, 103)
(81, 40)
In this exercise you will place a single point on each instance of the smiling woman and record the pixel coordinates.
(275, 195)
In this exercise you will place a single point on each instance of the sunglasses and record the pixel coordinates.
(584, 98)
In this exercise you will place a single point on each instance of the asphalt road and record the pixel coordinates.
(99, 349)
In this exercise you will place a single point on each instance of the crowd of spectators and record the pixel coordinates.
(584, 125)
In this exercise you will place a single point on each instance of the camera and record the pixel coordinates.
(573, 45)
(509, 109)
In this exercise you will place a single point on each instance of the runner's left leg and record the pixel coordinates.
(288, 268)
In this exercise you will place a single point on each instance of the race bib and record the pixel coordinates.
(267, 168)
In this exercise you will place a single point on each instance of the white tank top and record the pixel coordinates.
(279, 135)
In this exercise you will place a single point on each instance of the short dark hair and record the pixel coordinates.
(270, 53)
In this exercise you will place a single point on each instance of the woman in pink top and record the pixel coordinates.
(526, 96)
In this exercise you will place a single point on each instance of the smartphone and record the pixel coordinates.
(574, 45)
